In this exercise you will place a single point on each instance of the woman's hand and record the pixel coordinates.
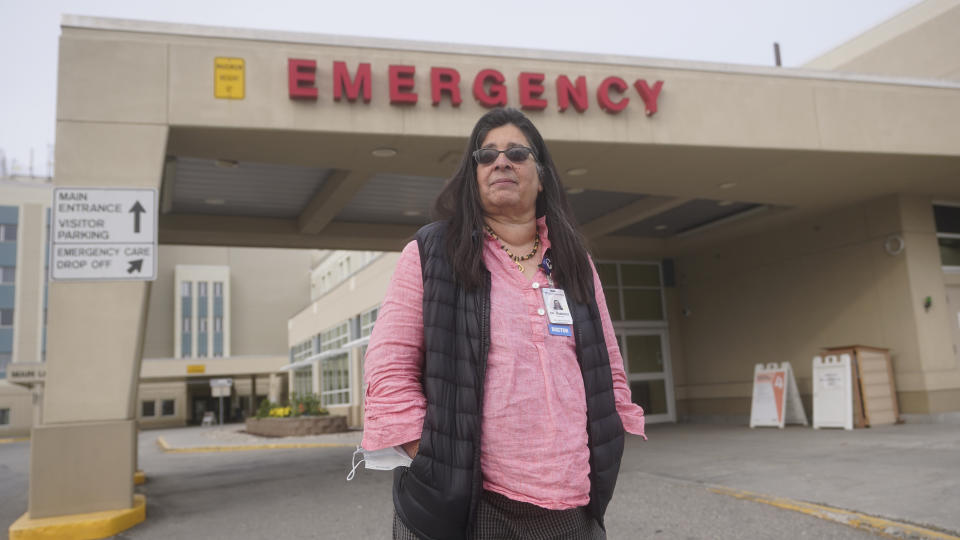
(411, 448)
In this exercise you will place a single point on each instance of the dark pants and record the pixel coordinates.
(501, 518)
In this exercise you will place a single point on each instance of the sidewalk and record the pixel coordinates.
(232, 438)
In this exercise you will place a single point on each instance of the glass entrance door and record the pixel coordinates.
(646, 360)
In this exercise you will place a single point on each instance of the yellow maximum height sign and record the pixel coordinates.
(228, 78)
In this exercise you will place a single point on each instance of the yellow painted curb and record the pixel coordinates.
(240, 448)
(80, 526)
(139, 478)
(883, 527)
(15, 439)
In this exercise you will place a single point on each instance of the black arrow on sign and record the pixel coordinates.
(137, 210)
(135, 266)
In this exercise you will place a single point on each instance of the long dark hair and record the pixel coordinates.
(459, 204)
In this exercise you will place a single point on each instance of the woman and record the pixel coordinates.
(469, 373)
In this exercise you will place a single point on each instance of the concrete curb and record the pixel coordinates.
(14, 439)
(80, 526)
(245, 447)
(876, 525)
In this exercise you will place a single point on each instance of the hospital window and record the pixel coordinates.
(202, 338)
(633, 290)
(8, 274)
(335, 337)
(946, 216)
(8, 232)
(303, 381)
(6, 317)
(202, 319)
(4, 417)
(148, 408)
(167, 407)
(335, 381)
(301, 351)
(218, 318)
(367, 319)
(186, 314)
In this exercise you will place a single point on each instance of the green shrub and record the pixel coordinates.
(306, 405)
(263, 410)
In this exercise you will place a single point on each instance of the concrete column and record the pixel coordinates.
(252, 406)
(273, 394)
(83, 455)
(37, 393)
(315, 376)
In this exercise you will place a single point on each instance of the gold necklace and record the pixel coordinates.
(517, 259)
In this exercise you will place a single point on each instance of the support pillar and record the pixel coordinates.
(83, 454)
(252, 406)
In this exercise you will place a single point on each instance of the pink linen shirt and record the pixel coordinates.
(534, 445)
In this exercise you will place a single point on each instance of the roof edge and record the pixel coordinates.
(871, 38)
(195, 30)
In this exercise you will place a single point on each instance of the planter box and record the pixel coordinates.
(294, 427)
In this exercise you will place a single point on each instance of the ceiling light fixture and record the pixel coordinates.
(384, 152)
(575, 190)
(728, 185)
(578, 171)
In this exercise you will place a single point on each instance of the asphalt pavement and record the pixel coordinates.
(687, 481)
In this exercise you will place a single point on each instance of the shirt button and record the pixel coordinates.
(541, 311)
(536, 285)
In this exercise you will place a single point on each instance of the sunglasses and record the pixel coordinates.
(516, 154)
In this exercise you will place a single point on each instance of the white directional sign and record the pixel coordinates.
(104, 234)
(220, 387)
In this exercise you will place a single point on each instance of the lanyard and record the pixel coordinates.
(547, 266)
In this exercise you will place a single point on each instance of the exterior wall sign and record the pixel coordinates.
(489, 87)
(27, 373)
(228, 78)
(104, 234)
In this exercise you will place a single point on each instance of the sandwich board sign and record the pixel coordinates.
(776, 400)
(103, 234)
(832, 392)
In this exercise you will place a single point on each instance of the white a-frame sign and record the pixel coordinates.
(776, 400)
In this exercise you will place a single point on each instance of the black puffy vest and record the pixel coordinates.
(436, 497)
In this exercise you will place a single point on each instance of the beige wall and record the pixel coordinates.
(158, 392)
(826, 281)
(267, 286)
(33, 198)
(20, 402)
(356, 294)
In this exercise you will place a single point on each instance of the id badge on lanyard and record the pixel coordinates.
(555, 302)
(558, 312)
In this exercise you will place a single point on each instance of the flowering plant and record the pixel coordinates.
(300, 405)
(279, 412)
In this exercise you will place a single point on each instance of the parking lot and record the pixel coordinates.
(682, 483)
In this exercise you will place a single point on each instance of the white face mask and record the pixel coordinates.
(380, 460)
